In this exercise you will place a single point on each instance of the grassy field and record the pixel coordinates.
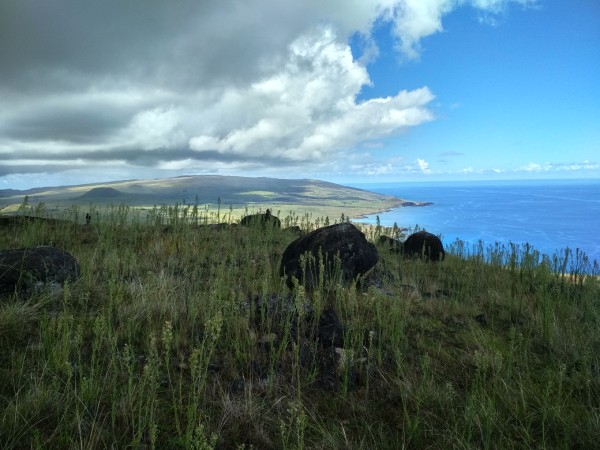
(179, 335)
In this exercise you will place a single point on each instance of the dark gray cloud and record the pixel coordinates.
(85, 124)
(152, 83)
(184, 43)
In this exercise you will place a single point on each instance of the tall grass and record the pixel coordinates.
(180, 335)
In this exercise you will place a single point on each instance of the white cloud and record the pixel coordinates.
(372, 169)
(586, 165)
(535, 167)
(155, 128)
(308, 110)
(415, 19)
(423, 165)
(497, 6)
(559, 167)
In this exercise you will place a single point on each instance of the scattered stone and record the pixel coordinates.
(343, 240)
(482, 319)
(425, 245)
(263, 220)
(26, 270)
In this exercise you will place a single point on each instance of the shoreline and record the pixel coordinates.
(401, 204)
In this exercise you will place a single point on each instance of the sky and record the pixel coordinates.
(348, 91)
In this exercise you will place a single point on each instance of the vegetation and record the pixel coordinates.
(208, 193)
(179, 335)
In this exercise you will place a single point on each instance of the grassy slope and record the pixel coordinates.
(238, 194)
(148, 348)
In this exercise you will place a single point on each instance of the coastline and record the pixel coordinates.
(401, 204)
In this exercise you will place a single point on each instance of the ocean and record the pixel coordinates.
(550, 215)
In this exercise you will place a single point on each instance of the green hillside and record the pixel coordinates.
(238, 194)
(185, 336)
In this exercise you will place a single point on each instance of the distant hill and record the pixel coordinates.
(234, 193)
(101, 193)
(8, 192)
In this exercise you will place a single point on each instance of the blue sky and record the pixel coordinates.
(519, 95)
(345, 91)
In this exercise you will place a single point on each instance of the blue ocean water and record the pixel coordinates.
(550, 215)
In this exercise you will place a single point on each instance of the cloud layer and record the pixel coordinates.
(205, 85)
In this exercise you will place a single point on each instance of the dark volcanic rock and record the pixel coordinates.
(264, 220)
(356, 255)
(25, 269)
(424, 244)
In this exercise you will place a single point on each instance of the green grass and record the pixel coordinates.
(156, 345)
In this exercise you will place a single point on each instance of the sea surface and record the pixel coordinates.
(550, 215)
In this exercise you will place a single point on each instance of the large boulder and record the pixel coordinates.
(341, 240)
(264, 220)
(425, 245)
(24, 270)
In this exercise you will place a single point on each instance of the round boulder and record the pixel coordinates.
(425, 245)
(343, 240)
(263, 220)
(23, 270)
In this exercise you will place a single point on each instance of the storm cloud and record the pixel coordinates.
(200, 84)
